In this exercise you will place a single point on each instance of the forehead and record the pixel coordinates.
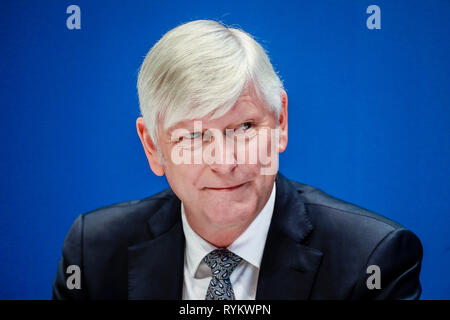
(245, 108)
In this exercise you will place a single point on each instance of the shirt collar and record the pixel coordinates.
(249, 245)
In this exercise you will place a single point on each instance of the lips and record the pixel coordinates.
(228, 188)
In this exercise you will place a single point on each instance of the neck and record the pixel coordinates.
(220, 237)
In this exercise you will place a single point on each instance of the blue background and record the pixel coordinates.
(368, 115)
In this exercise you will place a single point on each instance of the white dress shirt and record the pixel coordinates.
(249, 246)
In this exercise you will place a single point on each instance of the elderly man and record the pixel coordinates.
(214, 119)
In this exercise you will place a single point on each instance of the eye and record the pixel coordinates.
(244, 126)
(193, 135)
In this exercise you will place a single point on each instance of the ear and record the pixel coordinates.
(283, 122)
(149, 148)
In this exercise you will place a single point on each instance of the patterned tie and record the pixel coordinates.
(222, 263)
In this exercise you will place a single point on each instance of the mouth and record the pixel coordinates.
(228, 188)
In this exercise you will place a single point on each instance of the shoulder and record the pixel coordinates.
(124, 221)
(98, 242)
(351, 238)
(322, 207)
(351, 231)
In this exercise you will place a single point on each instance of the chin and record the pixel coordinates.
(229, 214)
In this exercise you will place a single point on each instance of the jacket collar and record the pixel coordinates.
(288, 267)
(155, 267)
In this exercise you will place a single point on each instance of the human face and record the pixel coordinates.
(224, 195)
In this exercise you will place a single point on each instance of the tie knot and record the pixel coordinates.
(222, 262)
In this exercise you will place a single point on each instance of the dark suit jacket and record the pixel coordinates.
(318, 247)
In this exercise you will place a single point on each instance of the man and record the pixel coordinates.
(214, 119)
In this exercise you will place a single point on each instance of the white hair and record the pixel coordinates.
(200, 68)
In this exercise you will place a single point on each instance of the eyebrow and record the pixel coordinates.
(251, 116)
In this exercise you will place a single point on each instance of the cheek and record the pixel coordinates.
(183, 180)
(268, 147)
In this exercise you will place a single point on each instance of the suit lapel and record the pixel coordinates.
(155, 267)
(288, 268)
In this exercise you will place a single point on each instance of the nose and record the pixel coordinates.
(223, 168)
(224, 157)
